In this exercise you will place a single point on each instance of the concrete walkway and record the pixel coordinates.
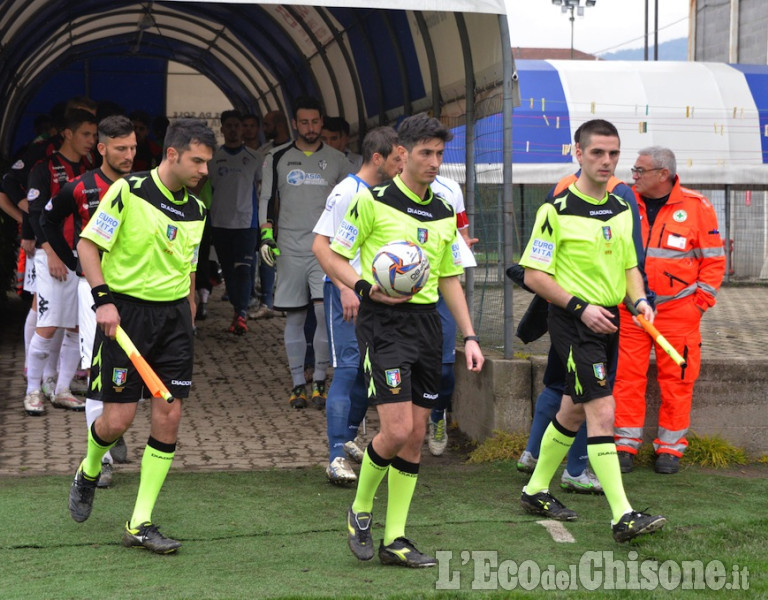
(237, 417)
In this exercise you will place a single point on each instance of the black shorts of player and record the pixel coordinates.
(401, 352)
(162, 333)
(584, 353)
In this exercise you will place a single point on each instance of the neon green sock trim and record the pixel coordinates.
(605, 464)
(554, 447)
(91, 464)
(154, 468)
(400, 487)
(370, 478)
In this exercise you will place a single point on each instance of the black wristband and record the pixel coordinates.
(576, 306)
(363, 288)
(102, 295)
(471, 338)
(639, 300)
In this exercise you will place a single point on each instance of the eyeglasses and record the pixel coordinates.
(640, 170)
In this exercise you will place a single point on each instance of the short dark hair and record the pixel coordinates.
(420, 127)
(336, 124)
(586, 130)
(231, 114)
(182, 132)
(115, 126)
(141, 116)
(159, 126)
(42, 122)
(107, 108)
(381, 140)
(81, 102)
(76, 117)
(252, 116)
(307, 103)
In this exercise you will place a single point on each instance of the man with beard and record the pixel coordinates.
(297, 178)
(79, 199)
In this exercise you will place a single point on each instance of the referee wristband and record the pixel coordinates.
(102, 295)
(363, 288)
(639, 300)
(576, 306)
(471, 338)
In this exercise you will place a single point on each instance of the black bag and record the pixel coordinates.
(534, 322)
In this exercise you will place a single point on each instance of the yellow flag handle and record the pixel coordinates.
(154, 384)
(650, 328)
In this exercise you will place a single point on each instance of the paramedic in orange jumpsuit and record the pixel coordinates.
(685, 264)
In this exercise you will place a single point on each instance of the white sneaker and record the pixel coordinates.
(339, 471)
(105, 479)
(65, 399)
(353, 450)
(79, 385)
(437, 436)
(586, 483)
(49, 388)
(263, 312)
(526, 463)
(34, 403)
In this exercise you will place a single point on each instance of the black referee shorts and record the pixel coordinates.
(401, 352)
(585, 354)
(162, 333)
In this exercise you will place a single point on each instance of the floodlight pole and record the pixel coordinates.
(574, 6)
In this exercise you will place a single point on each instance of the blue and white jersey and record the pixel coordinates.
(336, 207)
(451, 191)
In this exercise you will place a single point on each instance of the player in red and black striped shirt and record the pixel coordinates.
(79, 200)
(56, 287)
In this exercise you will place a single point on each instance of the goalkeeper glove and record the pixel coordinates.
(269, 250)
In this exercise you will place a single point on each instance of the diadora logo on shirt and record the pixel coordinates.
(419, 212)
(170, 209)
(299, 177)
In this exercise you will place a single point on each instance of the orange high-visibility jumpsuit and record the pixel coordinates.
(685, 264)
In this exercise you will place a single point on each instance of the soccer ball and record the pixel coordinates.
(400, 268)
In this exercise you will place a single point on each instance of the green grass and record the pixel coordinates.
(280, 534)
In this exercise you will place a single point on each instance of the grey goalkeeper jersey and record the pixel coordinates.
(234, 176)
(294, 189)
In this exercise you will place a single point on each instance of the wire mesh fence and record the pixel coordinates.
(742, 217)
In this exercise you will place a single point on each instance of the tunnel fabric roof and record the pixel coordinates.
(371, 65)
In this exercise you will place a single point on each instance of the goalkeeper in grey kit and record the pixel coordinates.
(402, 369)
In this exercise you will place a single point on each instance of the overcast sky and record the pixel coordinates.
(610, 25)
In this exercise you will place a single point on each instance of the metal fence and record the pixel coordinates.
(743, 224)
